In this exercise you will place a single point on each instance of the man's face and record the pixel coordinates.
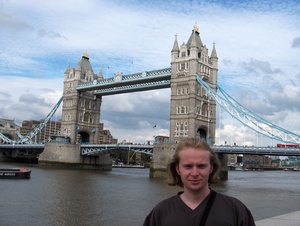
(194, 169)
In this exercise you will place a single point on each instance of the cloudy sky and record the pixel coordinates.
(257, 42)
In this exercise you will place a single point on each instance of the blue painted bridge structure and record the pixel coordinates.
(149, 80)
(90, 149)
(157, 79)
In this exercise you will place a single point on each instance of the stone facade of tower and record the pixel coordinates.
(193, 112)
(80, 122)
(81, 110)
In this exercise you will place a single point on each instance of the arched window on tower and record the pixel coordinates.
(202, 133)
(182, 110)
(86, 117)
(182, 66)
(181, 129)
(186, 129)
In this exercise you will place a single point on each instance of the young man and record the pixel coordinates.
(193, 167)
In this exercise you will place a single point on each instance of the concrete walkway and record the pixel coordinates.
(290, 219)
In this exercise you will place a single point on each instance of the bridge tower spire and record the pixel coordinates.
(193, 112)
(81, 109)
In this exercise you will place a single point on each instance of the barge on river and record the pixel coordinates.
(15, 173)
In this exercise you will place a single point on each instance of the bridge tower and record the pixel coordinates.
(80, 121)
(193, 113)
(81, 110)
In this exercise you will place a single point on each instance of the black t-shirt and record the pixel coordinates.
(225, 211)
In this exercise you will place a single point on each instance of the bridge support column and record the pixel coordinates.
(224, 166)
(69, 155)
(162, 153)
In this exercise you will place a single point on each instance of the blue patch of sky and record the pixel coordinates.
(43, 68)
(186, 6)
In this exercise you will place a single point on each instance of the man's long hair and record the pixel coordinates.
(175, 179)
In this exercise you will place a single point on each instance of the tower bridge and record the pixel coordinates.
(192, 78)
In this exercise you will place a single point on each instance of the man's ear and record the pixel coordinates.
(211, 168)
(177, 169)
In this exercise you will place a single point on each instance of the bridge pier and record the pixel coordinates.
(163, 152)
(69, 155)
(224, 166)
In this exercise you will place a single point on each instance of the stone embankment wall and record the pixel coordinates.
(69, 155)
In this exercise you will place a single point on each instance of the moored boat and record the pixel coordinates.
(15, 173)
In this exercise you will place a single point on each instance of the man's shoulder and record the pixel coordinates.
(228, 199)
(165, 203)
(231, 209)
(169, 200)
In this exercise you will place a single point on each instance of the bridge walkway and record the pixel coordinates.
(290, 219)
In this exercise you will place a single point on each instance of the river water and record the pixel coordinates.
(123, 197)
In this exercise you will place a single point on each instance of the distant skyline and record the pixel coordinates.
(257, 42)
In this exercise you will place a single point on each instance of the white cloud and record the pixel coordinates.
(28, 98)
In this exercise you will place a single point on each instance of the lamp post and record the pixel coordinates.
(208, 119)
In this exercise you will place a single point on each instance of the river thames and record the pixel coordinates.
(123, 197)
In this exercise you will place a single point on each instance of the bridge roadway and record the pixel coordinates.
(98, 149)
(21, 150)
(88, 149)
